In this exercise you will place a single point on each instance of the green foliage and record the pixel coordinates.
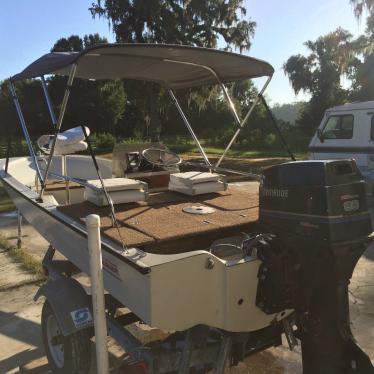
(21, 255)
(118, 110)
(6, 204)
(75, 44)
(319, 74)
(103, 141)
(288, 112)
(331, 57)
(98, 104)
(198, 23)
(360, 5)
(362, 68)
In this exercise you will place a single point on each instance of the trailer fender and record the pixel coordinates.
(70, 303)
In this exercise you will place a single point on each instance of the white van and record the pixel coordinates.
(347, 131)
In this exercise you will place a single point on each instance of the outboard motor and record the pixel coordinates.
(317, 217)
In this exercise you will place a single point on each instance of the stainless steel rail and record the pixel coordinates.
(185, 120)
(237, 132)
(59, 123)
(79, 181)
(230, 104)
(25, 131)
(49, 102)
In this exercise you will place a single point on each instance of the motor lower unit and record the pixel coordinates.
(317, 222)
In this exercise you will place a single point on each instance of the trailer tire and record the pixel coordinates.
(73, 354)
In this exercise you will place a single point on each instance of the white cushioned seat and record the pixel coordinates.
(197, 183)
(67, 142)
(120, 190)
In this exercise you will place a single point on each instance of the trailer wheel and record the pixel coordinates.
(65, 354)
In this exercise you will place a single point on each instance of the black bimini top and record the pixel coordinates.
(172, 66)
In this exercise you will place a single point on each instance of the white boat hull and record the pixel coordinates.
(172, 292)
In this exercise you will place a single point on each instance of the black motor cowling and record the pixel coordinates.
(317, 216)
(320, 200)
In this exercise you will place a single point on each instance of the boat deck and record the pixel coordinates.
(161, 226)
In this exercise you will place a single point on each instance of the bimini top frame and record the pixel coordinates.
(171, 66)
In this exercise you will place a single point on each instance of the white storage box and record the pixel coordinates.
(197, 183)
(120, 190)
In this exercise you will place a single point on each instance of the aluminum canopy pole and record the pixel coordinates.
(25, 131)
(49, 102)
(231, 104)
(54, 124)
(257, 99)
(185, 120)
(59, 122)
(283, 140)
(224, 89)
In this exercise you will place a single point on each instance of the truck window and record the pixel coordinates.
(339, 127)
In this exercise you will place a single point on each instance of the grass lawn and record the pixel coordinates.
(191, 148)
(247, 161)
(5, 203)
(22, 256)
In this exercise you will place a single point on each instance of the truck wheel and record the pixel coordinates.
(65, 354)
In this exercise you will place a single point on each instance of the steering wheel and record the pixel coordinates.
(161, 157)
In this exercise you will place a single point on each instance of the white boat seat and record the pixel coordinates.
(68, 142)
(197, 183)
(120, 190)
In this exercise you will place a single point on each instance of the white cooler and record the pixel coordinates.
(197, 183)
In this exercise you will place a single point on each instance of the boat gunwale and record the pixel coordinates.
(105, 246)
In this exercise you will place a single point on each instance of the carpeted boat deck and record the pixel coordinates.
(161, 226)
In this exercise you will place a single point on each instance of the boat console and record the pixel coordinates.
(129, 162)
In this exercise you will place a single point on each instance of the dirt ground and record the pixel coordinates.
(20, 335)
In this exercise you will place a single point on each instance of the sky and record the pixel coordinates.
(28, 29)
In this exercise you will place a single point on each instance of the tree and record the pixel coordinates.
(75, 44)
(362, 71)
(98, 104)
(193, 22)
(360, 5)
(319, 74)
(71, 44)
(288, 112)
